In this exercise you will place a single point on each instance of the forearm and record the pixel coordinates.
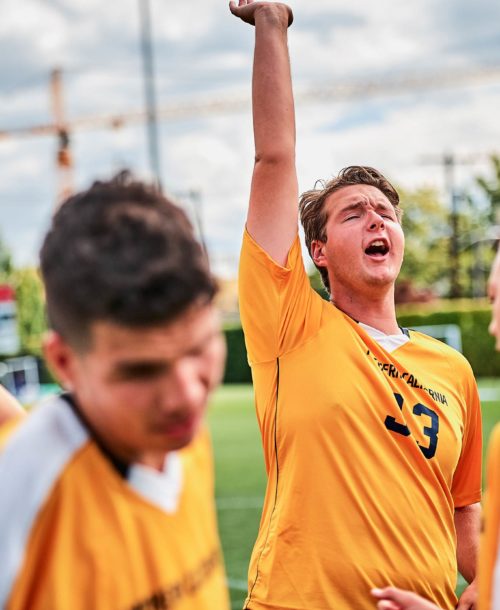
(272, 96)
(467, 525)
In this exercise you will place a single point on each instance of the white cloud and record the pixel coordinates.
(202, 51)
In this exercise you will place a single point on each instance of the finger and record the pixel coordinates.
(397, 597)
(388, 605)
(388, 593)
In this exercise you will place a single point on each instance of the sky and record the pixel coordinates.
(202, 56)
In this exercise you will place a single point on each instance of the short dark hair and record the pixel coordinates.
(121, 252)
(312, 208)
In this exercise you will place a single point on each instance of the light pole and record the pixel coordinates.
(149, 91)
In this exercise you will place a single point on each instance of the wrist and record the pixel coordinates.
(273, 14)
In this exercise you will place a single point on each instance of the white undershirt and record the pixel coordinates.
(161, 488)
(388, 342)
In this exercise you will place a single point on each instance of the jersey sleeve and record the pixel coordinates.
(279, 310)
(466, 487)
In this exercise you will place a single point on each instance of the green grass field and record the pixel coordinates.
(240, 474)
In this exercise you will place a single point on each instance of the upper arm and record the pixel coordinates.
(273, 211)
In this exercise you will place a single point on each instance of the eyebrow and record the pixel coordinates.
(150, 367)
(357, 205)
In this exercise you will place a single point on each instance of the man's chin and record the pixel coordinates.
(181, 442)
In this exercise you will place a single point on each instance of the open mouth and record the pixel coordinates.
(377, 248)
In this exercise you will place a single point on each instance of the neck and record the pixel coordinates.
(113, 449)
(376, 310)
(155, 460)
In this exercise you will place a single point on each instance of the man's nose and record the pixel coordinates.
(184, 387)
(376, 221)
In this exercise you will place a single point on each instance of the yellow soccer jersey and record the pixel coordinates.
(489, 556)
(78, 535)
(368, 452)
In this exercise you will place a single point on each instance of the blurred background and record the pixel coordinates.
(163, 88)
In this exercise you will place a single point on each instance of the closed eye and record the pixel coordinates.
(139, 371)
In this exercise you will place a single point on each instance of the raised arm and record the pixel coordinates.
(273, 212)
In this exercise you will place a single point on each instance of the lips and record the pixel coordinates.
(181, 427)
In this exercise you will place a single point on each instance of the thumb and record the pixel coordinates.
(393, 594)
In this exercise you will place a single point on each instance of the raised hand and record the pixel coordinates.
(246, 10)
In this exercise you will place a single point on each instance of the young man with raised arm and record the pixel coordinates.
(107, 490)
(371, 433)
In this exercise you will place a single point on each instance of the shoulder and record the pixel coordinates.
(454, 357)
(33, 459)
(252, 251)
(40, 446)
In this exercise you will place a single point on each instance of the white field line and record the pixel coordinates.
(239, 502)
(489, 394)
(237, 584)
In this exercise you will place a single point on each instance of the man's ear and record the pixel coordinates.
(318, 253)
(61, 359)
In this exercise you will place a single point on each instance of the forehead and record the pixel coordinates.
(357, 194)
(168, 340)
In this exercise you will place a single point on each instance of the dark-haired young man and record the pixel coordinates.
(371, 433)
(107, 491)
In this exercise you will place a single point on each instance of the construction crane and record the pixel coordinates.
(62, 127)
(64, 158)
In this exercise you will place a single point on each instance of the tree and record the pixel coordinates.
(30, 308)
(5, 259)
(30, 301)
(425, 264)
(492, 190)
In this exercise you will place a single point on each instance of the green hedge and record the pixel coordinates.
(237, 369)
(472, 316)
